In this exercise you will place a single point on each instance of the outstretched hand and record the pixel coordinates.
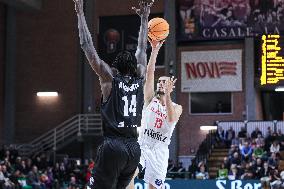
(169, 85)
(156, 45)
(79, 6)
(144, 8)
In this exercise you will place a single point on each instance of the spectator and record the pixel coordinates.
(226, 163)
(38, 163)
(258, 167)
(264, 174)
(23, 168)
(44, 182)
(259, 152)
(49, 180)
(275, 148)
(248, 173)
(18, 163)
(33, 178)
(56, 174)
(282, 178)
(236, 141)
(255, 133)
(7, 156)
(275, 180)
(222, 172)
(230, 134)
(253, 144)
(260, 140)
(232, 150)
(5, 171)
(279, 133)
(272, 161)
(201, 173)
(13, 153)
(73, 183)
(62, 172)
(15, 178)
(236, 160)
(243, 133)
(233, 173)
(29, 164)
(2, 178)
(269, 132)
(90, 169)
(269, 140)
(246, 152)
(220, 136)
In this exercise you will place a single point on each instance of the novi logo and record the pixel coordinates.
(237, 184)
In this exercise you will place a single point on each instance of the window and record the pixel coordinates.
(204, 103)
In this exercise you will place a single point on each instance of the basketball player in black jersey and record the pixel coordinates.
(122, 103)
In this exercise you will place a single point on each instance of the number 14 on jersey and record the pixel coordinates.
(128, 109)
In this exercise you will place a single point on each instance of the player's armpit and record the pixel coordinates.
(102, 69)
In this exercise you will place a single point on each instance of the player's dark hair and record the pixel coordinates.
(126, 63)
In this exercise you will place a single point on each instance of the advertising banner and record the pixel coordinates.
(211, 71)
(205, 184)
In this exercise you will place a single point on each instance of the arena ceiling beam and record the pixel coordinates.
(24, 4)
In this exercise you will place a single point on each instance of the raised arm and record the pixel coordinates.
(99, 66)
(173, 111)
(141, 56)
(149, 88)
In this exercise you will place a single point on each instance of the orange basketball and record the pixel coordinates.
(158, 29)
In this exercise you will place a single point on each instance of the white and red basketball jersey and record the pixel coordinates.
(155, 129)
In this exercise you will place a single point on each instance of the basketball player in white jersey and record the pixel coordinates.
(159, 117)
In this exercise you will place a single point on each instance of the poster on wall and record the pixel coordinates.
(229, 19)
(211, 71)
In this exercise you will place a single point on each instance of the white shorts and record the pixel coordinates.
(155, 163)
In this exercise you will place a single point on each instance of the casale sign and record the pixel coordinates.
(209, 71)
(205, 184)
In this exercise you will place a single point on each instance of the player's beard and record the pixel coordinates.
(159, 93)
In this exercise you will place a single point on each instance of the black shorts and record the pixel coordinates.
(115, 165)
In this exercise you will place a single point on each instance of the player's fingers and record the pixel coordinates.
(161, 43)
(140, 3)
(151, 3)
(168, 82)
(136, 10)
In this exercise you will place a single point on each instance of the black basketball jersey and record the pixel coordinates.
(122, 112)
